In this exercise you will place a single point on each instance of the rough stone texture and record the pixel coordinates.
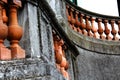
(58, 6)
(96, 60)
(92, 44)
(70, 59)
(28, 69)
(94, 66)
(30, 39)
(46, 39)
(38, 44)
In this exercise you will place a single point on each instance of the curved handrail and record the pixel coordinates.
(90, 13)
(92, 24)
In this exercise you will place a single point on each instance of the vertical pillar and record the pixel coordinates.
(15, 32)
(5, 53)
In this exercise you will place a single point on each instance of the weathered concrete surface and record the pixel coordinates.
(38, 43)
(28, 69)
(95, 66)
(27, 18)
(97, 59)
(92, 44)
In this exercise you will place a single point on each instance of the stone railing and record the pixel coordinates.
(60, 58)
(9, 29)
(92, 24)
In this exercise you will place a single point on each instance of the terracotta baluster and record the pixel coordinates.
(67, 66)
(100, 29)
(77, 22)
(64, 62)
(82, 24)
(114, 32)
(81, 21)
(63, 65)
(67, 12)
(94, 28)
(118, 27)
(15, 32)
(58, 57)
(58, 49)
(88, 27)
(61, 62)
(5, 54)
(118, 23)
(72, 20)
(107, 30)
(4, 17)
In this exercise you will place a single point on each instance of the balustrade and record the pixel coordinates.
(85, 23)
(61, 62)
(13, 32)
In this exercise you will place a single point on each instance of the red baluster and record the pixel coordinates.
(83, 26)
(114, 32)
(94, 29)
(88, 26)
(72, 20)
(119, 27)
(5, 53)
(67, 12)
(63, 65)
(100, 29)
(4, 17)
(77, 22)
(107, 30)
(58, 55)
(58, 52)
(15, 32)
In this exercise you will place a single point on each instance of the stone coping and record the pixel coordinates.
(92, 44)
(29, 69)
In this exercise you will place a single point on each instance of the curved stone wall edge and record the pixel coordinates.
(92, 44)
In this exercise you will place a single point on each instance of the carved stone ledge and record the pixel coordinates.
(27, 69)
(95, 45)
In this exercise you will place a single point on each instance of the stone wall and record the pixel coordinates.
(95, 66)
(37, 41)
(89, 58)
(28, 69)
(97, 60)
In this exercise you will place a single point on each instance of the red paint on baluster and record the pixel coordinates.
(67, 12)
(114, 32)
(15, 32)
(82, 26)
(107, 30)
(100, 29)
(5, 54)
(94, 28)
(119, 27)
(4, 17)
(77, 22)
(88, 26)
(72, 19)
